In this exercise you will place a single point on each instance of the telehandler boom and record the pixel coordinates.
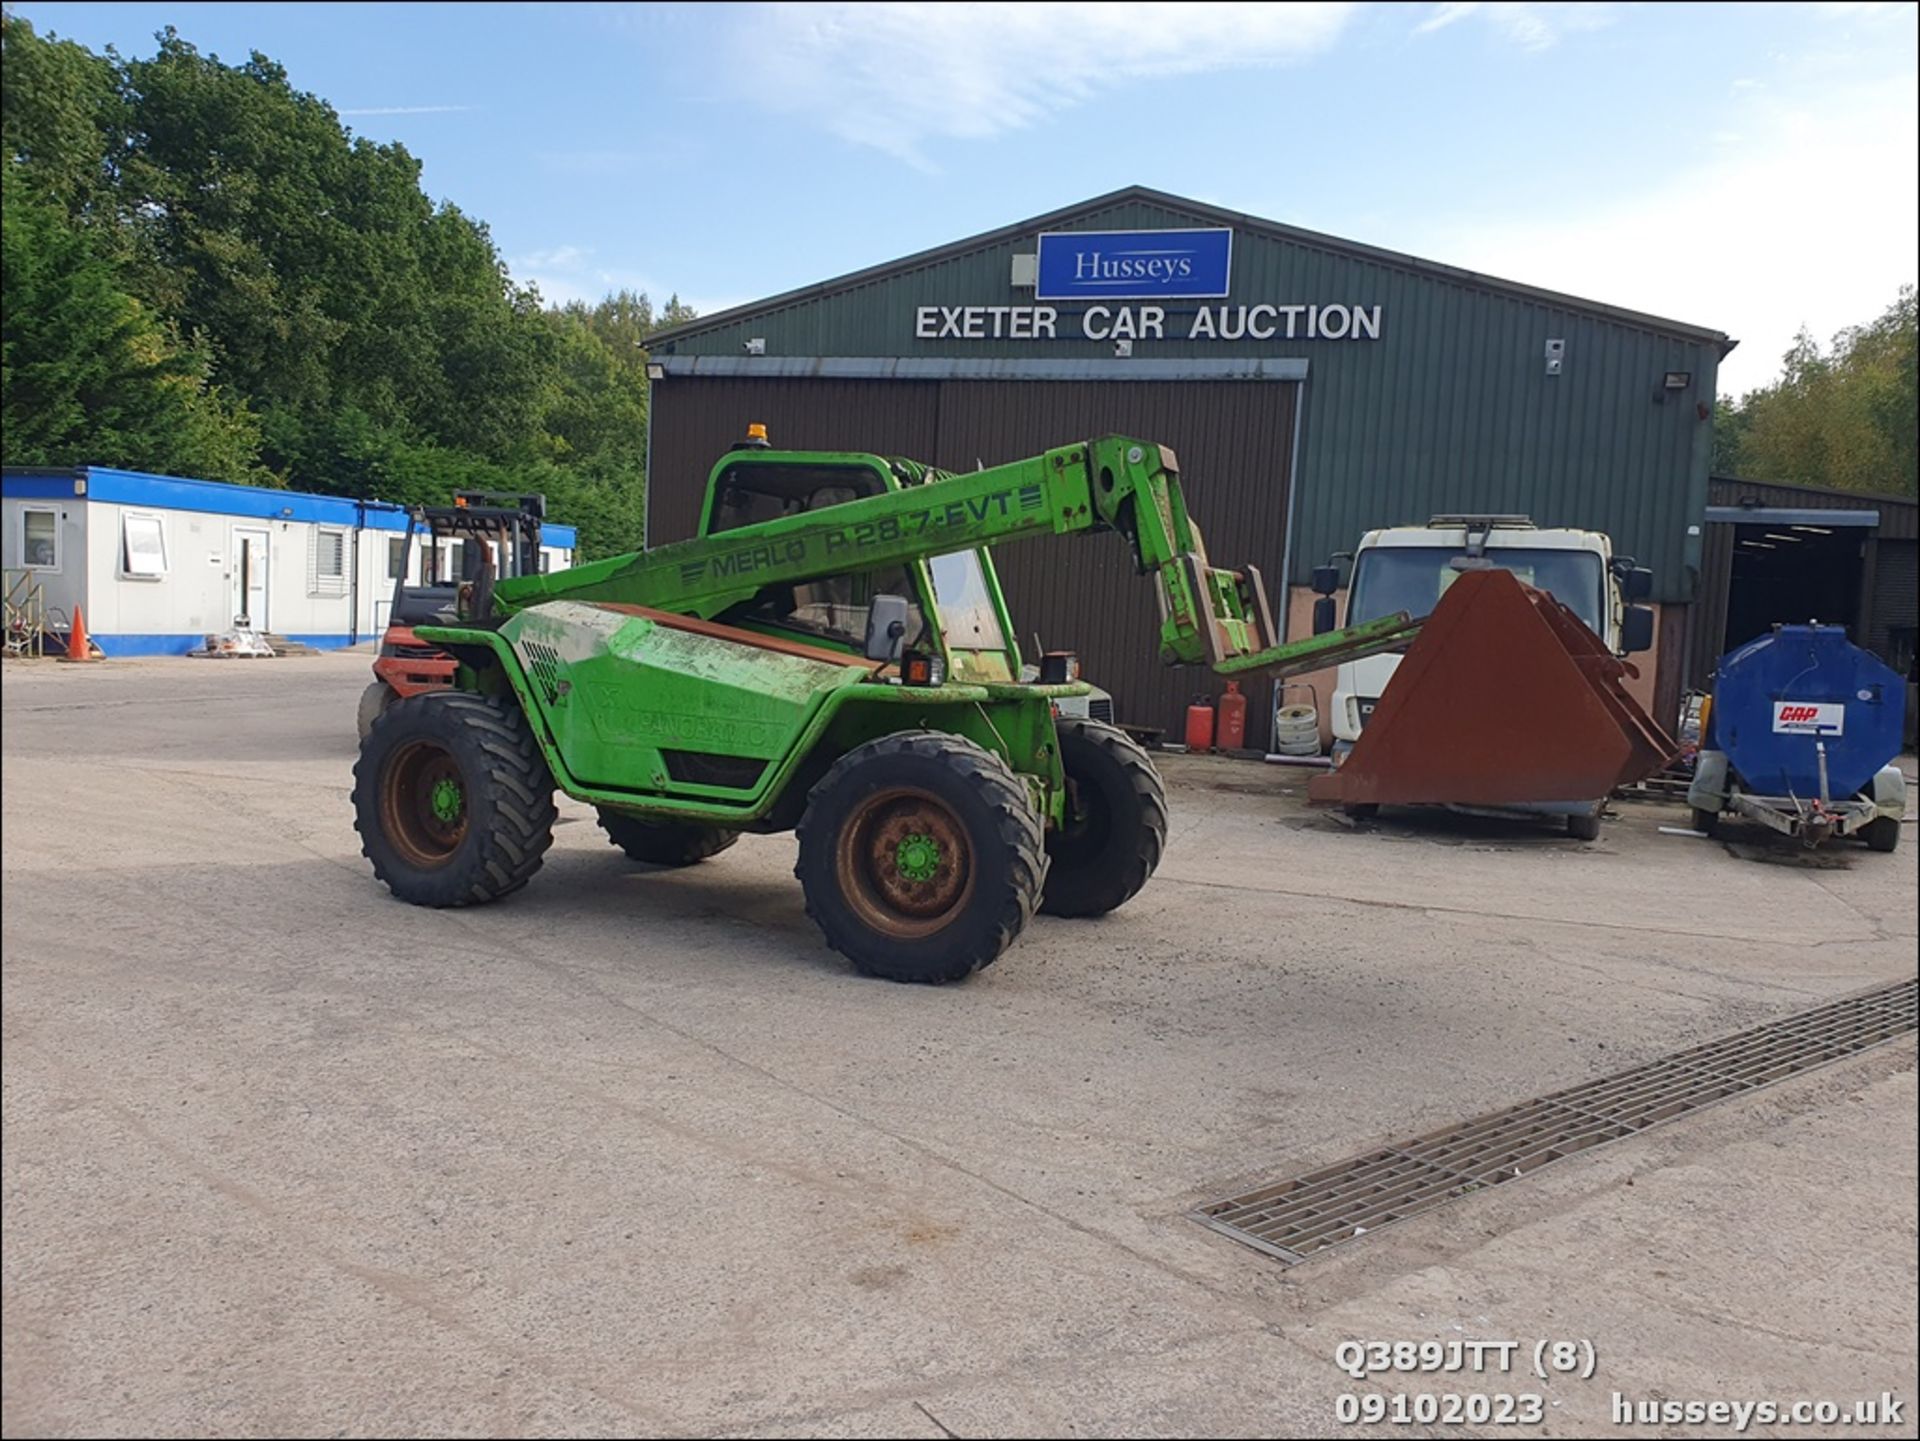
(831, 654)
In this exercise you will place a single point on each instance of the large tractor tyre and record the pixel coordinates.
(665, 843)
(1881, 834)
(452, 799)
(1116, 823)
(373, 700)
(921, 857)
(1705, 822)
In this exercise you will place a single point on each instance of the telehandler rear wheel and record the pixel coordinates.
(1116, 825)
(921, 857)
(452, 799)
(665, 843)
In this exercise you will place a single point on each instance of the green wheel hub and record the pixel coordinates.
(446, 800)
(917, 857)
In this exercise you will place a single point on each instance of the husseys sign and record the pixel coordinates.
(1134, 265)
(1097, 268)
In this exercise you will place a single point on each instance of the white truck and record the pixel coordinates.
(1408, 567)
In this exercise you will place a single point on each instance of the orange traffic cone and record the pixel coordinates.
(78, 646)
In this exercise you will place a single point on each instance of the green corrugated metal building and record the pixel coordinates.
(1406, 388)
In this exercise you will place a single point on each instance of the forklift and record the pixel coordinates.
(501, 535)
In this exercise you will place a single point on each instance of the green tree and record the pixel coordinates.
(89, 374)
(200, 242)
(61, 119)
(1846, 417)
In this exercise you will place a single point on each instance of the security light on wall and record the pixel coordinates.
(1678, 379)
(756, 346)
(656, 372)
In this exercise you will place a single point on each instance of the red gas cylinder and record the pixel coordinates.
(1233, 718)
(1200, 724)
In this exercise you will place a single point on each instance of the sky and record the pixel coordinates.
(1745, 167)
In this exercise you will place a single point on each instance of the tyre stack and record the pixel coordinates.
(1296, 730)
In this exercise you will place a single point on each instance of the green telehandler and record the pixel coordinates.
(832, 655)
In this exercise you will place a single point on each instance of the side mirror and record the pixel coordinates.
(1636, 629)
(1638, 583)
(1323, 615)
(1326, 579)
(886, 627)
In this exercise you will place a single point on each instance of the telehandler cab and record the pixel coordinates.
(830, 655)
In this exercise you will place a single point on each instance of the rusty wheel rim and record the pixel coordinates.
(424, 806)
(904, 863)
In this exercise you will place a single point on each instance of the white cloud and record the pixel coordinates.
(565, 273)
(1811, 221)
(561, 257)
(894, 76)
(409, 110)
(1530, 26)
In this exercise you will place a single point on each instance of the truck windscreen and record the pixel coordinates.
(1387, 578)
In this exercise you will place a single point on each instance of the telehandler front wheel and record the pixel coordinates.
(1116, 824)
(452, 799)
(665, 843)
(921, 857)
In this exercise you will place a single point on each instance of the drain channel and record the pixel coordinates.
(1294, 1219)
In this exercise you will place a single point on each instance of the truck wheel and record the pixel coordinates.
(1116, 824)
(1706, 822)
(452, 799)
(921, 857)
(1584, 828)
(1881, 834)
(373, 700)
(665, 843)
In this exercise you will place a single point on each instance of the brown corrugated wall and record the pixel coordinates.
(695, 421)
(1234, 440)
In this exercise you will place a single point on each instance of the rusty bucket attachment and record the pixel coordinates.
(1504, 698)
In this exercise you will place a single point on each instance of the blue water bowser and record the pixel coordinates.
(1800, 735)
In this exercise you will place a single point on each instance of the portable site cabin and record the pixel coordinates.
(156, 562)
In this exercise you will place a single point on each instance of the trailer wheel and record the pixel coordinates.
(921, 857)
(1116, 825)
(665, 843)
(373, 700)
(1706, 822)
(452, 799)
(1881, 834)
(1584, 828)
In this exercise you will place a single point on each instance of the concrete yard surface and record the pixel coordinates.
(633, 1152)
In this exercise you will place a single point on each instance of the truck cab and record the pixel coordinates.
(1408, 568)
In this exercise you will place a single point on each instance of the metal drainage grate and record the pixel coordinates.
(1294, 1219)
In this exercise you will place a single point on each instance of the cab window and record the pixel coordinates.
(751, 493)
